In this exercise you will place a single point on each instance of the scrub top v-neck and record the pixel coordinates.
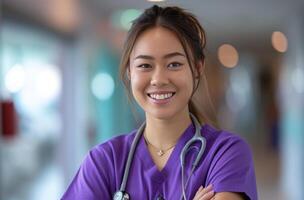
(226, 163)
(161, 178)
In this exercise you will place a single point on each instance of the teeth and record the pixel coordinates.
(161, 96)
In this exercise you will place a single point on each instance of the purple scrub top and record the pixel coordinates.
(226, 163)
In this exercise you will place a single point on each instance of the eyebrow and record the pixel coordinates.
(169, 55)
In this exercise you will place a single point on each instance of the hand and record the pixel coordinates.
(204, 193)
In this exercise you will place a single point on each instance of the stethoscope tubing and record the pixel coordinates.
(123, 195)
(130, 156)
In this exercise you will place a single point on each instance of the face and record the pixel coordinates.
(160, 75)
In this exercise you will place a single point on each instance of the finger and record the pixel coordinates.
(202, 191)
(199, 189)
(197, 194)
(208, 195)
(206, 189)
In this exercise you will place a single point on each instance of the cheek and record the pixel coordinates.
(187, 81)
(137, 83)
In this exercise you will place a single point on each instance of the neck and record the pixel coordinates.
(163, 133)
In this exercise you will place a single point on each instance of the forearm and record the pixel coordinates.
(209, 194)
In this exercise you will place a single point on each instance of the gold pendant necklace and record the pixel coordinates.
(159, 152)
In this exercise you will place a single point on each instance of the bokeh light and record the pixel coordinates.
(279, 41)
(41, 88)
(123, 18)
(102, 86)
(14, 78)
(228, 55)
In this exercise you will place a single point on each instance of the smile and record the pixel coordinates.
(161, 96)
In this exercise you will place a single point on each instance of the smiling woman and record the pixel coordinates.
(175, 154)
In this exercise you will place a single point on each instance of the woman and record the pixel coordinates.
(162, 64)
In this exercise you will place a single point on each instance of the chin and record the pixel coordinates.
(162, 114)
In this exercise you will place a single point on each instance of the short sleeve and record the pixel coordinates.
(91, 181)
(232, 168)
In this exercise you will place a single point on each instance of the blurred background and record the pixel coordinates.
(60, 93)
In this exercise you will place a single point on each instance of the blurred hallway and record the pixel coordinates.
(60, 92)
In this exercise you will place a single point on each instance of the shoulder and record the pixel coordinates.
(98, 173)
(106, 159)
(223, 147)
(218, 135)
(115, 146)
(218, 140)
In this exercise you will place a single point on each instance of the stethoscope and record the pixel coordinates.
(123, 195)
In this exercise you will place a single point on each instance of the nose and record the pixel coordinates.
(159, 77)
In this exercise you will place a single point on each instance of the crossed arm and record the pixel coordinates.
(208, 194)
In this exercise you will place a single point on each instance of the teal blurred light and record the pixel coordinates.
(123, 18)
(102, 86)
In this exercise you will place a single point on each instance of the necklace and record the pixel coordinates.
(160, 152)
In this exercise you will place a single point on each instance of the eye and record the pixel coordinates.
(175, 65)
(144, 66)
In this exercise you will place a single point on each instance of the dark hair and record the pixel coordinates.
(189, 32)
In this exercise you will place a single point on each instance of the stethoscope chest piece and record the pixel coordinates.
(120, 195)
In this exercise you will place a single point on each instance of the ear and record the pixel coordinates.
(200, 68)
(128, 73)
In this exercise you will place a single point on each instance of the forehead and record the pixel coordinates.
(157, 41)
